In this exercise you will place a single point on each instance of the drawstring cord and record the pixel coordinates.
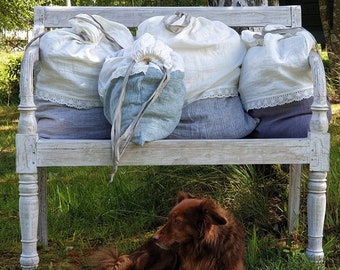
(121, 141)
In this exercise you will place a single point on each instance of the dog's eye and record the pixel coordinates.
(177, 221)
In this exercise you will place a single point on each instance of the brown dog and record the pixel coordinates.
(205, 236)
(199, 235)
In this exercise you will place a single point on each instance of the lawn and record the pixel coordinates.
(86, 213)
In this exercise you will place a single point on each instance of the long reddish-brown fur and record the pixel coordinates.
(147, 257)
(199, 235)
(109, 259)
(205, 236)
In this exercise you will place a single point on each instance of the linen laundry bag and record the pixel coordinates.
(66, 89)
(143, 92)
(212, 54)
(276, 81)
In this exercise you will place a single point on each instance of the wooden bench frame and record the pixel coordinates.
(33, 154)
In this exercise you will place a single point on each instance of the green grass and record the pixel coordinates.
(85, 212)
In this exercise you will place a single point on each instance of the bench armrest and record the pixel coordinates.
(319, 121)
(27, 122)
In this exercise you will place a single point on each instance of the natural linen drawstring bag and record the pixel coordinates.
(71, 59)
(143, 92)
(276, 83)
(66, 90)
(212, 54)
(211, 50)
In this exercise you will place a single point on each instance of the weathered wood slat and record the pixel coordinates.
(179, 152)
(132, 16)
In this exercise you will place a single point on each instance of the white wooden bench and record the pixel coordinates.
(34, 155)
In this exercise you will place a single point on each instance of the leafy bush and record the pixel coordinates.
(9, 79)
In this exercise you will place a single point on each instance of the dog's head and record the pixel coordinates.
(190, 220)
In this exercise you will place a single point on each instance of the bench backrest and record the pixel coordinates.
(290, 16)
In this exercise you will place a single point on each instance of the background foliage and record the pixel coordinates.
(16, 15)
(9, 77)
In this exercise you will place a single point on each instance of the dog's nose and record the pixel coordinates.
(156, 236)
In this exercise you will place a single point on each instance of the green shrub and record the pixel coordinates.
(9, 78)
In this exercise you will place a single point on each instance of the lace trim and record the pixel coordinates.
(278, 100)
(214, 93)
(70, 102)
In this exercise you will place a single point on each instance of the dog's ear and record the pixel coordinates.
(213, 214)
(184, 195)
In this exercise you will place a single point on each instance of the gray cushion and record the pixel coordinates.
(58, 121)
(214, 118)
(289, 120)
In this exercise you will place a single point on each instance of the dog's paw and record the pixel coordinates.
(109, 259)
(123, 263)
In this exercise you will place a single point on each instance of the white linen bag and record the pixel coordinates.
(71, 59)
(276, 81)
(212, 53)
(275, 70)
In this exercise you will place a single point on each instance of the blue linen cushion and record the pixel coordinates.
(58, 121)
(290, 120)
(214, 118)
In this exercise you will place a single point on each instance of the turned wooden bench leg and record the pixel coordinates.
(294, 196)
(28, 212)
(28, 197)
(42, 224)
(316, 209)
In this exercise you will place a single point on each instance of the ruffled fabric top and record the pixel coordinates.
(145, 52)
